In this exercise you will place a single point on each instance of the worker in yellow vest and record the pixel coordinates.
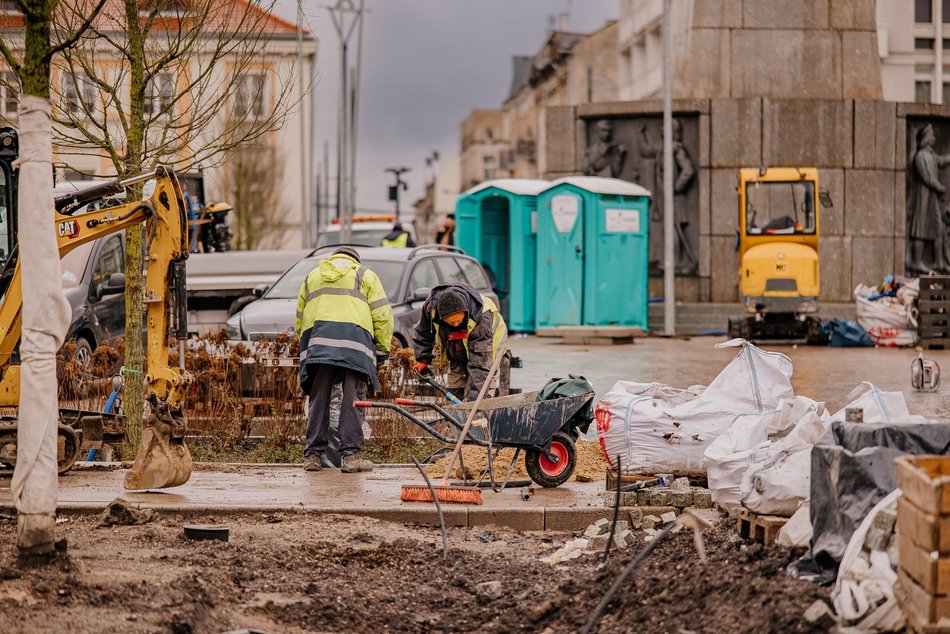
(345, 326)
(470, 331)
(399, 238)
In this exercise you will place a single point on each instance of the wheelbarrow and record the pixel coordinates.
(545, 430)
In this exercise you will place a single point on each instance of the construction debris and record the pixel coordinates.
(121, 513)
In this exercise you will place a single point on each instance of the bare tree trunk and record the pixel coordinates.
(134, 390)
(46, 313)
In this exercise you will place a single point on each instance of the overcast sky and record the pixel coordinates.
(426, 64)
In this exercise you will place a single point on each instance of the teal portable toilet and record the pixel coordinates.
(593, 253)
(496, 223)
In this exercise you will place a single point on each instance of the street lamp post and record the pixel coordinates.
(394, 189)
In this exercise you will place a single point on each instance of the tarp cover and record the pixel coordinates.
(852, 469)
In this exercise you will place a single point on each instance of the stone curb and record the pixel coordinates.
(559, 519)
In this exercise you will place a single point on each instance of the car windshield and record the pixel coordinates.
(780, 207)
(288, 286)
(74, 265)
(368, 237)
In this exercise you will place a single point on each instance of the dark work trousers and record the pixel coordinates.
(351, 418)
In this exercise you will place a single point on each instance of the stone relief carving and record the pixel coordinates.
(928, 207)
(606, 155)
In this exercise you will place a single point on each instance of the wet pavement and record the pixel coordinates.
(822, 373)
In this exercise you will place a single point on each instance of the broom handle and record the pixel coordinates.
(471, 415)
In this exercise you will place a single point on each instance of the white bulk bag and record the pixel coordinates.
(656, 428)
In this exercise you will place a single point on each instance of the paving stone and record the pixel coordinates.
(702, 499)
(592, 531)
(622, 539)
(489, 589)
(659, 497)
(643, 497)
(636, 518)
(650, 522)
(680, 499)
(669, 516)
(877, 539)
(885, 520)
(821, 615)
(680, 484)
(598, 543)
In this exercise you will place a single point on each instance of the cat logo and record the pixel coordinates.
(68, 229)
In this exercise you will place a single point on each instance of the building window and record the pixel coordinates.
(946, 93)
(159, 94)
(922, 91)
(923, 11)
(249, 101)
(946, 11)
(489, 163)
(10, 86)
(489, 135)
(924, 43)
(78, 94)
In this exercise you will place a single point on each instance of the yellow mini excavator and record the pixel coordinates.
(162, 460)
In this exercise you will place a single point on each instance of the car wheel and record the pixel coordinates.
(83, 351)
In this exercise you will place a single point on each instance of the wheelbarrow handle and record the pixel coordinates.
(397, 407)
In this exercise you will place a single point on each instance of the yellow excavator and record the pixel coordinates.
(163, 459)
(777, 242)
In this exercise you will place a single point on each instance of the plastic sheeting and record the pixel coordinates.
(46, 316)
(657, 428)
(852, 469)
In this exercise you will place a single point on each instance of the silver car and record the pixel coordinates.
(407, 275)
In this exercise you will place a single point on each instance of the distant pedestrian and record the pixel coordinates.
(470, 332)
(446, 233)
(345, 326)
(399, 238)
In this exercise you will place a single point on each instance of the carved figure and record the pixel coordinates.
(605, 157)
(683, 172)
(927, 245)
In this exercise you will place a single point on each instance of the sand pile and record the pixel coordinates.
(591, 464)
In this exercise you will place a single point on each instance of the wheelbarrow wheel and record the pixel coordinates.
(546, 472)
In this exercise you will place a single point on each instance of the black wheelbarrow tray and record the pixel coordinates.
(545, 430)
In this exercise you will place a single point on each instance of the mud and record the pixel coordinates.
(297, 573)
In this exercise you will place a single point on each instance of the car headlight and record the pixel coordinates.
(233, 326)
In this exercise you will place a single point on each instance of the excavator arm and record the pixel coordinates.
(163, 459)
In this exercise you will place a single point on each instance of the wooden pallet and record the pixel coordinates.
(760, 528)
(934, 288)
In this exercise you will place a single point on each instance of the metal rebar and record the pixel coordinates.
(613, 524)
(628, 569)
(438, 507)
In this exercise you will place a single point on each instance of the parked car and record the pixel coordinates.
(94, 285)
(367, 230)
(407, 275)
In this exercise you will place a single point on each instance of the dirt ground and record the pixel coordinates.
(293, 573)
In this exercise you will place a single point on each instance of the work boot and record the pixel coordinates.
(312, 462)
(355, 463)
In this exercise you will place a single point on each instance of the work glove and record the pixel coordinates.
(422, 368)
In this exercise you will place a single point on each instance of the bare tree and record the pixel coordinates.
(45, 310)
(258, 212)
(179, 82)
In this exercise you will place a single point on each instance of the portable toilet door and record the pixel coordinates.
(560, 290)
(616, 267)
(496, 226)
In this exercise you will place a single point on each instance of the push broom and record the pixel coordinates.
(445, 491)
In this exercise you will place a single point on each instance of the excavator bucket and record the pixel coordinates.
(163, 459)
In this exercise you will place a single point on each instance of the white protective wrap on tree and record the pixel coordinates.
(46, 316)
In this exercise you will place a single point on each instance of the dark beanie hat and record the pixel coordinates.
(350, 251)
(451, 302)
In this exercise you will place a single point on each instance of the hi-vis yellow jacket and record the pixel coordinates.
(343, 319)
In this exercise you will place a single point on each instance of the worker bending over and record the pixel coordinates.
(470, 331)
(345, 325)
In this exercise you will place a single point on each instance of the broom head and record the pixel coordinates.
(446, 493)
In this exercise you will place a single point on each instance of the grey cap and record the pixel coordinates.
(348, 251)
